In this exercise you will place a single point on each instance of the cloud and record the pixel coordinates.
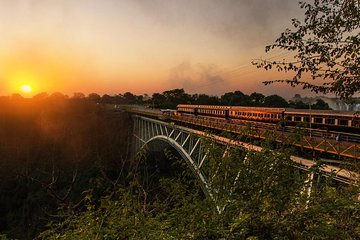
(244, 21)
(195, 78)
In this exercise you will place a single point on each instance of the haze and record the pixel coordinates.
(141, 46)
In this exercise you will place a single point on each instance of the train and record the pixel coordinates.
(342, 121)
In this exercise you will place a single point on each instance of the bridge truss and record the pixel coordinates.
(192, 146)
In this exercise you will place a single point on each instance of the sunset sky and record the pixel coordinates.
(141, 46)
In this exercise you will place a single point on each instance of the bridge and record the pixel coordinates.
(190, 143)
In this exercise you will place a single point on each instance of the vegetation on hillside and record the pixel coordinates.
(66, 173)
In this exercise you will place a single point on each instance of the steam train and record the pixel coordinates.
(322, 119)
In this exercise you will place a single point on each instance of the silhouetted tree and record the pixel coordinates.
(257, 98)
(175, 97)
(236, 98)
(158, 100)
(326, 45)
(78, 95)
(299, 105)
(320, 104)
(205, 99)
(41, 96)
(107, 99)
(16, 96)
(94, 97)
(275, 101)
(58, 96)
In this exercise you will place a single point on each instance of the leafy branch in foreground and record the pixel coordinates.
(326, 46)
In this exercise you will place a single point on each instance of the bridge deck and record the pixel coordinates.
(318, 141)
(173, 131)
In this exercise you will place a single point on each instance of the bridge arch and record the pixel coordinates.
(188, 143)
(185, 156)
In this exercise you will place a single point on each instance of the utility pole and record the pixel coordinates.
(310, 117)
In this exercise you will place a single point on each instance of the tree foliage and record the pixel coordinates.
(267, 201)
(326, 45)
(275, 101)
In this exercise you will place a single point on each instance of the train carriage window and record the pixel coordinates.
(306, 119)
(356, 123)
(330, 120)
(297, 118)
(288, 118)
(318, 120)
(343, 122)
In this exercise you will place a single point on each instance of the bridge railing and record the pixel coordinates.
(345, 145)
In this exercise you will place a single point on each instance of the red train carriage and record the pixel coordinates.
(257, 113)
(329, 119)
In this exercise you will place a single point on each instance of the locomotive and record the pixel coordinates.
(348, 121)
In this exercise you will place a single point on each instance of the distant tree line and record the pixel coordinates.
(171, 98)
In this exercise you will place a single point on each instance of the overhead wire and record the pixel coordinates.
(238, 71)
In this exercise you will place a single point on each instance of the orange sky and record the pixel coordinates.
(113, 46)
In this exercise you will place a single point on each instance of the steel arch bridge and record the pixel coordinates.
(190, 144)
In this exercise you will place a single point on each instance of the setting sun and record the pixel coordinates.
(26, 88)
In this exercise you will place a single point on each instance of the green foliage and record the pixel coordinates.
(261, 193)
(326, 46)
(320, 104)
(275, 101)
(80, 184)
(49, 149)
(170, 98)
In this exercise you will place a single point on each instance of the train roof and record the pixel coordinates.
(286, 110)
(250, 108)
(262, 109)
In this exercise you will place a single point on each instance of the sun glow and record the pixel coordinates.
(26, 88)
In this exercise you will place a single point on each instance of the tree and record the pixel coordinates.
(275, 101)
(41, 96)
(58, 96)
(158, 100)
(107, 99)
(257, 98)
(175, 97)
(299, 104)
(78, 95)
(236, 98)
(326, 46)
(129, 98)
(205, 99)
(320, 104)
(94, 97)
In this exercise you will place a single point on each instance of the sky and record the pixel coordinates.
(141, 46)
